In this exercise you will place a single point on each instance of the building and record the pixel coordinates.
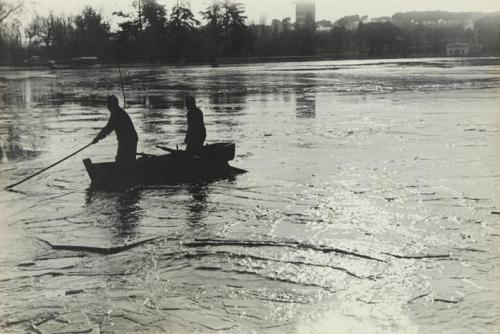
(305, 15)
(350, 22)
(440, 23)
(276, 26)
(324, 25)
(457, 49)
(381, 19)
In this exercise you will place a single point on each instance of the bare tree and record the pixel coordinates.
(7, 8)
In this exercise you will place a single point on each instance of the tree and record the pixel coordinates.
(213, 28)
(154, 25)
(350, 22)
(154, 15)
(51, 36)
(341, 41)
(7, 9)
(237, 36)
(34, 31)
(11, 41)
(488, 31)
(10, 31)
(142, 34)
(182, 18)
(91, 34)
(63, 34)
(226, 27)
(128, 40)
(182, 26)
(379, 38)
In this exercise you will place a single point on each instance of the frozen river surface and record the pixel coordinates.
(371, 202)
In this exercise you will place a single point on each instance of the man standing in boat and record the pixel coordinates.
(120, 122)
(196, 132)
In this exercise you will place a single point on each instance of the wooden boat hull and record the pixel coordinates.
(167, 169)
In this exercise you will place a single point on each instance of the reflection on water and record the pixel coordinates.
(305, 96)
(227, 101)
(154, 121)
(121, 211)
(305, 104)
(198, 205)
(27, 93)
(158, 102)
(12, 148)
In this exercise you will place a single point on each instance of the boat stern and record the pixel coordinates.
(88, 166)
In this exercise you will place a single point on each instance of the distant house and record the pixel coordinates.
(457, 49)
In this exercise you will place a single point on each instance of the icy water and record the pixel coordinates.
(371, 202)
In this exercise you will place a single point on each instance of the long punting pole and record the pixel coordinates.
(46, 168)
(123, 89)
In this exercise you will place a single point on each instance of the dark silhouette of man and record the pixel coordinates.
(196, 132)
(120, 122)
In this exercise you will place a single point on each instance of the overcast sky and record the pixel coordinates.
(325, 9)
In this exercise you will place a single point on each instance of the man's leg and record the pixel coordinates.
(194, 147)
(125, 160)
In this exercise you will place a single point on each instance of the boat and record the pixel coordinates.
(173, 168)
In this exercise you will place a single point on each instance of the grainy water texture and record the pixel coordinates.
(370, 203)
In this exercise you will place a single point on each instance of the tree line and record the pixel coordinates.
(147, 33)
(151, 32)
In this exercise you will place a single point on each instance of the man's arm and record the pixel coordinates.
(105, 131)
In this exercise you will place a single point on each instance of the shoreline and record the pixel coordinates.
(234, 61)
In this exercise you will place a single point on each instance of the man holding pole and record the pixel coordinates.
(120, 122)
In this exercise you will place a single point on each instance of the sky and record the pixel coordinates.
(257, 9)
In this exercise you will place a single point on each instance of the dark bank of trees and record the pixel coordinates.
(152, 32)
(487, 30)
(149, 32)
(10, 31)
